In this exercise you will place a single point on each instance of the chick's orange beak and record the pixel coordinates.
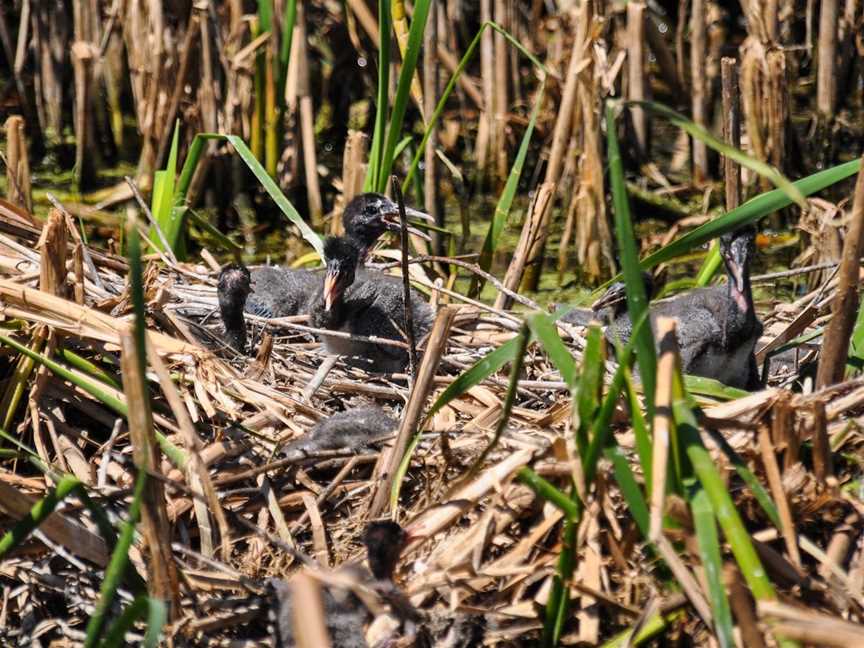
(331, 289)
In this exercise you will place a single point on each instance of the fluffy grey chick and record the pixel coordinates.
(358, 429)
(367, 303)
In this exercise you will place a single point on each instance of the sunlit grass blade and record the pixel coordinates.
(856, 343)
(163, 196)
(710, 266)
(550, 493)
(714, 388)
(90, 368)
(721, 502)
(382, 103)
(712, 563)
(545, 332)
(270, 186)
(38, 514)
(637, 303)
(590, 385)
(648, 631)
(505, 200)
(704, 135)
(640, 427)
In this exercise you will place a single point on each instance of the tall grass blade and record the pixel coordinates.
(633, 495)
(164, 182)
(403, 87)
(750, 212)
(637, 304)
(116, 566)
(712, 563)
(382, 103)
(545, 332)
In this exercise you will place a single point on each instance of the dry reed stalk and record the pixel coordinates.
(186, 51)
(793, 622)
(52, 254)
(823, 464)
(783, 433)
(564, 126)
(391, 456)
(594, 245)
(835, 342)
(500, 105)
(162, 581)
(18, 185)
(430, 99)
(775, 481)
(307, 612)
(484, 143)
(826, 79)
(82, 63)
(636, 73)
(51, 35)
(662, 425)
(731, 130)
(78, 270)
(699, 98)
(307, 121)
(743, 606)
(353, 174)
(530, 235)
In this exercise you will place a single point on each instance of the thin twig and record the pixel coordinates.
(406, 281)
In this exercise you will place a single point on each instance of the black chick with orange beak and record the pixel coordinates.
(368, 216)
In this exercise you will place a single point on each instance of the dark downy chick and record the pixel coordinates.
(358, 429)
(233, 289)
(366, 303)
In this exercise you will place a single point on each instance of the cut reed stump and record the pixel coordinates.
(18, 187)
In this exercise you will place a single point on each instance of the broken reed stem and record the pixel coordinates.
(406, 280)
(527, 240)
(391, 456)
(662, 422)
(699, 88)
(82, 63)
(835, 342)
(731, 130)
(353, 173)
(487, 72)
(18, 187)
(823, 465)
(636, 84)
(52, 253)
(775, 481)
(826, 80)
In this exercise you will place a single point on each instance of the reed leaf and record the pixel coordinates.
(163, 198)
(543, 328)
(637, 303)
(382, 104)
(544, 489)
(748, 213)
(722, 503)
(633, 495)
